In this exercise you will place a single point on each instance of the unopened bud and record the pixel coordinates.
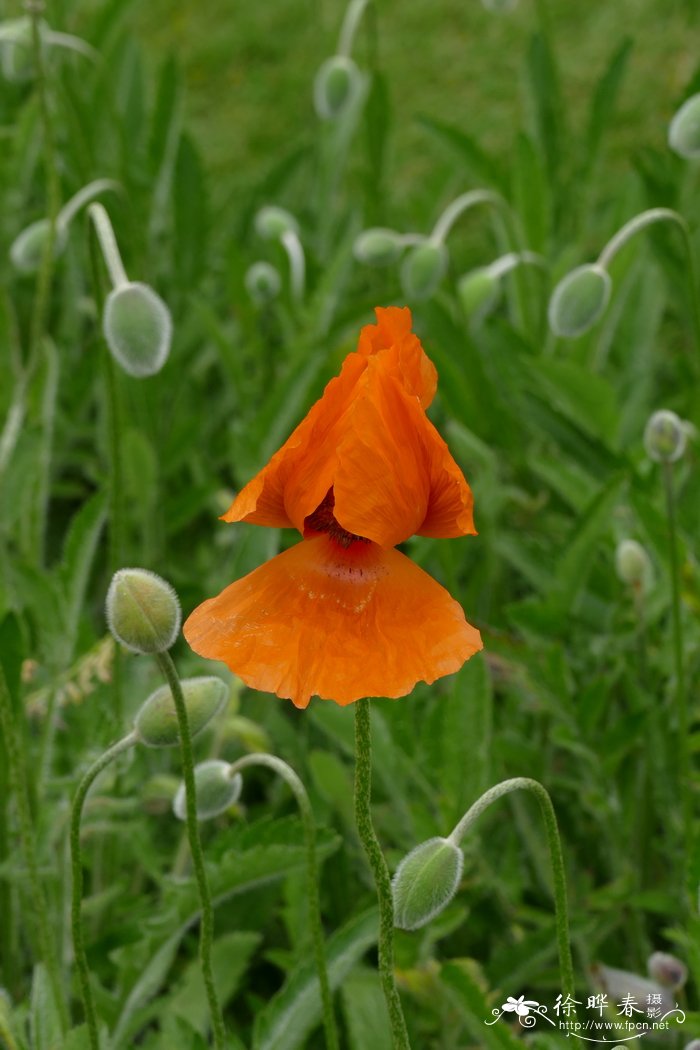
(425, 882)
(263, 283)
(423, 269)
(478, 292)
(215, 789)
(684, 129)
(138, 328)
(632, 563)
(378, 247)
(579, 300)
(499, 5)
(143, 611)
(16, 57)
(27, 249)
(695, 1045)
(664, 437)
(334, 86)
(272, 222)
(156, 722)
(667, 970)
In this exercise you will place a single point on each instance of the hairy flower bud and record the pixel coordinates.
(262, 282)
(143, 611)
(632, 563)
(664, 437)
(334, 86)
(478, 292)
(215, 788)
(684, 129)
(667, 970)
(138, 328)
(378, 247)
(425, 882)
(579, 300)
(423, 269)
(272, 222)
(27, 249)
(16, 57)
(156, 722)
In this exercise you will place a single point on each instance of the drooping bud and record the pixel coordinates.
(138, 328)
(272, 222)
(579, 300)
(425, 882)
(667, 970)
(423, 269)
(262, 282)
(378, 247)
(618, 983)
(16, 58)
(27, 249)
(143, 611)
(156, 722)
(684, 129)
(478, 291)
(215, 789)
(665, 437)
(632, 563)
(694, 1045)
(334, 86)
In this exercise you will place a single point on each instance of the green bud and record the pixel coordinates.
(271, 222)
(334, 86)
(425, 882)
(579, 300)
(143, 611)
(665, 437)
(667, 970)
(215, 789)
(156, 723)
(478, 292)
(695, 1045)
(27, 249)
(632, 563)
(16, 50)
(499, 5)
(378, 247)
(684, 129)
(423, 269)
(138, 328)
(262, 283)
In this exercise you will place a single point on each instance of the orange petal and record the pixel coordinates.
(340, 623)
(401, 352)
(395, 475)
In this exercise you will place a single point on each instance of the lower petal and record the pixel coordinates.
(339, 623)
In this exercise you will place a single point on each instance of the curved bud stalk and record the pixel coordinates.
(479, 289)
(16, 47)
(262, 282)
(276, 224)
(336, 83)
(351, 23)
(26, 251)
(581, 297)
(136, 323)
(380, 246)
(426, 880)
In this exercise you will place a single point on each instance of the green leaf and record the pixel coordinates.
(469, 994)
(604, 102)
(479, 164)
(230, 957)
(366, 1013)
(290, 1015)
(586, 399)
(547, 101)
(44, 1020)
(79, 551)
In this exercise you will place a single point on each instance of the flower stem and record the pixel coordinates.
(77, 892)
(555, 855)
(307, 817)
(677, 626)
(380, 871)
(19, 784)
(206, 932)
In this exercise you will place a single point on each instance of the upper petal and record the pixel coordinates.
(400, 352)
(339, 623)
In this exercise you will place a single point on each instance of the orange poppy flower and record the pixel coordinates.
(343, 615)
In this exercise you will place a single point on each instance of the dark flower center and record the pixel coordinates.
(324, 520)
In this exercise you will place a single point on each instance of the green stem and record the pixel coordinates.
(681, 697)
(555, 855)
(19, 783)
(77, 882)
(380, 871)
(307, 817)
(206, 932)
